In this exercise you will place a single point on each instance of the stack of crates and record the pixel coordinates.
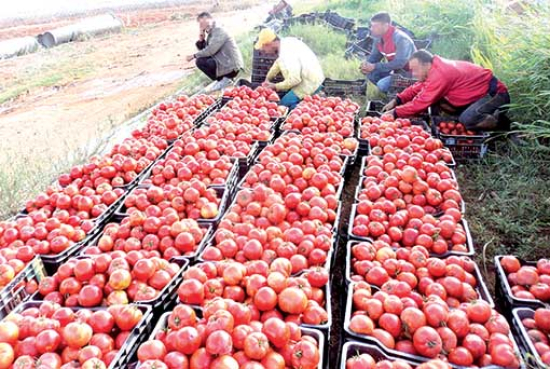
(261, 64)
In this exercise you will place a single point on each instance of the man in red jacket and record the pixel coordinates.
(462, 87)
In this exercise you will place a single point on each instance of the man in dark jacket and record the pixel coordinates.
(219, 56)
(463, 87)
(391, 44)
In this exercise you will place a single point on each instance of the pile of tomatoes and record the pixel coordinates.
(245, 92)
(430, 185)
(108, 279)
(226, 336)
(538, 331)
(51, 336)
(400, 137)
(454, 279)
(201, 144)
(469, 334)
(268, 290)
(263, 224)
(192, 200)
(528, 282)
(410, 227)
(251, 110)
(177, 167)
(171, 119)
(119, 167)
(317, 114)
(455, 129)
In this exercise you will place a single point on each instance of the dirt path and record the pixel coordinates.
(69, 94)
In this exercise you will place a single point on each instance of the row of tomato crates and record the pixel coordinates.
(14, 292)
(365, 280)
(464, 145)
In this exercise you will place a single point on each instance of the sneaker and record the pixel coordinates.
(220, 85)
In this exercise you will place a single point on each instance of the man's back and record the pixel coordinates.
(294, 52)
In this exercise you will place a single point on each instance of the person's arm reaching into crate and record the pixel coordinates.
(291, 71)
(273, 72)
(459, 84)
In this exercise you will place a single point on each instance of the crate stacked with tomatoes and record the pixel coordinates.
(250, 114)
(523, 289)
(170, 119)
(465, 144)
(413, 292)
(46, 335)
(226, 334)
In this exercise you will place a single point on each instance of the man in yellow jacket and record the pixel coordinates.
(301, 70)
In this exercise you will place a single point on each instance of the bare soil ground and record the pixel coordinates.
(57, 100)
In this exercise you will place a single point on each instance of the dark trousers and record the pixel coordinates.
(209, 67)
(487, 105)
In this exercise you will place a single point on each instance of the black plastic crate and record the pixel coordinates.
(351, 159)
(354, 348)
(206, 112)
(530, 354)
(15, 293)
(464, 148)
(337, 21)
(394, 353)
(503, 291)
(317, 334)
(52, 262)
(223, 194)
(208, 232)
(463, 222)
(399, 83)
(229, 181)
(333, 87)
(261, 64)
(139, 334)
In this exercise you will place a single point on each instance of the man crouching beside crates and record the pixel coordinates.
(391, 44)
(458, 87)
(301, 70)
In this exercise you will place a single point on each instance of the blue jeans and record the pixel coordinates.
(290, 100)
(382, 80)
